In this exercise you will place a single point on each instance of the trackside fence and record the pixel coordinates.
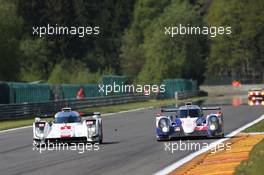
(28, 110)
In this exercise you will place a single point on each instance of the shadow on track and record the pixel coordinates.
(109, 143)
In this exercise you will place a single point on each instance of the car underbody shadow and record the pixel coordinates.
(109, 143)
(192, 138)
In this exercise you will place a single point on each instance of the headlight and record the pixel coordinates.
(212, 127)
(213, 119)
(164, 125)
(39, 133)
(92, 130)
(213, 123)
(165, 129)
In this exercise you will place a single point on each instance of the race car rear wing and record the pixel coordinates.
(211, 108)
(89, 114)
(169, 110)
(203, 108)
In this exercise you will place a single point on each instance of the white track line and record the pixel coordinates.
(107, 114)
(14, 129)
(254, 133)
(128, 111)
(186, 159)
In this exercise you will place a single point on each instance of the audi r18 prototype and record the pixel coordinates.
(256, 94)
(69, 126)
(189, 120)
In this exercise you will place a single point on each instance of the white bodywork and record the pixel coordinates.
(189, 124)
(88, 129)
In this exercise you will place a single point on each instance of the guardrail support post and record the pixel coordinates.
(176, 95)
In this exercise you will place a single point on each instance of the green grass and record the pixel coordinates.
(7, 124)
(259, 127)
(254, 164)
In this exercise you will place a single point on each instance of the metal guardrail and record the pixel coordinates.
(229, 89)
(27, 110)
(180, 95)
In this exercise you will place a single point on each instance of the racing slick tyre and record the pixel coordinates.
(162, 139)
(222, 136)
(101, 137)
(38, 143)
(100, 141)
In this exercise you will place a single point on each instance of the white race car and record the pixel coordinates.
(69, 126)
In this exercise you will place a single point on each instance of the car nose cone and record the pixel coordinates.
(189, 125)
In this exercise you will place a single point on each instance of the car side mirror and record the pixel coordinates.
(51, 122)
(37, 119)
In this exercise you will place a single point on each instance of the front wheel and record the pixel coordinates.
(101, 135)
(38, 144)
(162, 139)
(220, 136)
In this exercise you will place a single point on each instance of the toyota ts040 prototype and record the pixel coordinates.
(189, 120)
(69, 126)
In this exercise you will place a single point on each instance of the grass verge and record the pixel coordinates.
(254, 163)
(258, 127)
(8, 124)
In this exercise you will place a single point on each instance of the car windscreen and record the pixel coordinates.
(67, 119)
(189, 112)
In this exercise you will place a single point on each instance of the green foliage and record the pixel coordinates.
(132, 55)
(10, 29)
(179, 57)
(73, 72)
(36, 63)
(29, 58)
(241, 53)
(131, 41)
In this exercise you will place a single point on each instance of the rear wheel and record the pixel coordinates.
(101, 139)
(101, 135)
(220, 136)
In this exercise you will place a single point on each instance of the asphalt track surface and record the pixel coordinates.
(129, 146)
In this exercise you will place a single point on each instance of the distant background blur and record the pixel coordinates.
(132, 41)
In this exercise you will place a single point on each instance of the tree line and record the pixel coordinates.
(131, 41)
